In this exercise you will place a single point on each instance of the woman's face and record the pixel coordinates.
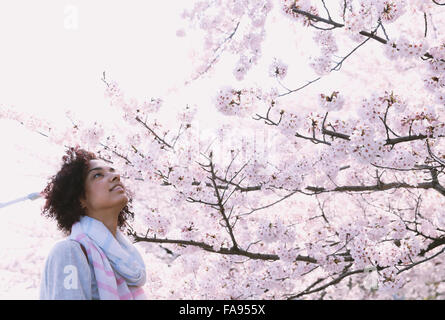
(101, 193)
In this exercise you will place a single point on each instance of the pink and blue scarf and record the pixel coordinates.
(118, 266)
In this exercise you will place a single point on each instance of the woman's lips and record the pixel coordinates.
(117, 188)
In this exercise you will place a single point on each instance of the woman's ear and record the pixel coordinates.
(82, 203)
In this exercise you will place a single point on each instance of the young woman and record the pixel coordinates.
(95, 260)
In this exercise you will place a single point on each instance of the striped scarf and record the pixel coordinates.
(118, 266)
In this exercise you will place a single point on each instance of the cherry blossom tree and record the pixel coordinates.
(321, 189)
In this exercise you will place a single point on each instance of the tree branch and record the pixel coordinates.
(220, 204)
(159, 139)
(209, 248)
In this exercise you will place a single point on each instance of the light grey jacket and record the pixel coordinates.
(67, 274)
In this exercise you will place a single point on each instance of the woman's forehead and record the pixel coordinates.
(95, 163)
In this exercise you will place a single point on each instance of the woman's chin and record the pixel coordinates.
(125, 199)
(120, 200)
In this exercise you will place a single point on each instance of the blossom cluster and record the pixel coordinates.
(333, 102)
(290, 123)
(365, 145)
(278, 69)
(237, 27)
(233, 102)
(390, 11)
(152, 106)
(288, 6)
(326, 41)
(322, 65)
(403, 48)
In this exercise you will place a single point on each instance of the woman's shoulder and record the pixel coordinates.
(66, 274)
(66, 249)
(65, 244)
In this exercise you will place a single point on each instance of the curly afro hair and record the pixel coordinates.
(64, 190)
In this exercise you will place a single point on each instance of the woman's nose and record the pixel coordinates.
(114, 176)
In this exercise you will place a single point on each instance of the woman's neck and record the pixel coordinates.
(109, 221)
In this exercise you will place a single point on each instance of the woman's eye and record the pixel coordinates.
(97, 174)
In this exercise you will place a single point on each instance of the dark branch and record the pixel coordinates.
(220, 204)
(209, 248)
(317, 18)
(159, 139)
